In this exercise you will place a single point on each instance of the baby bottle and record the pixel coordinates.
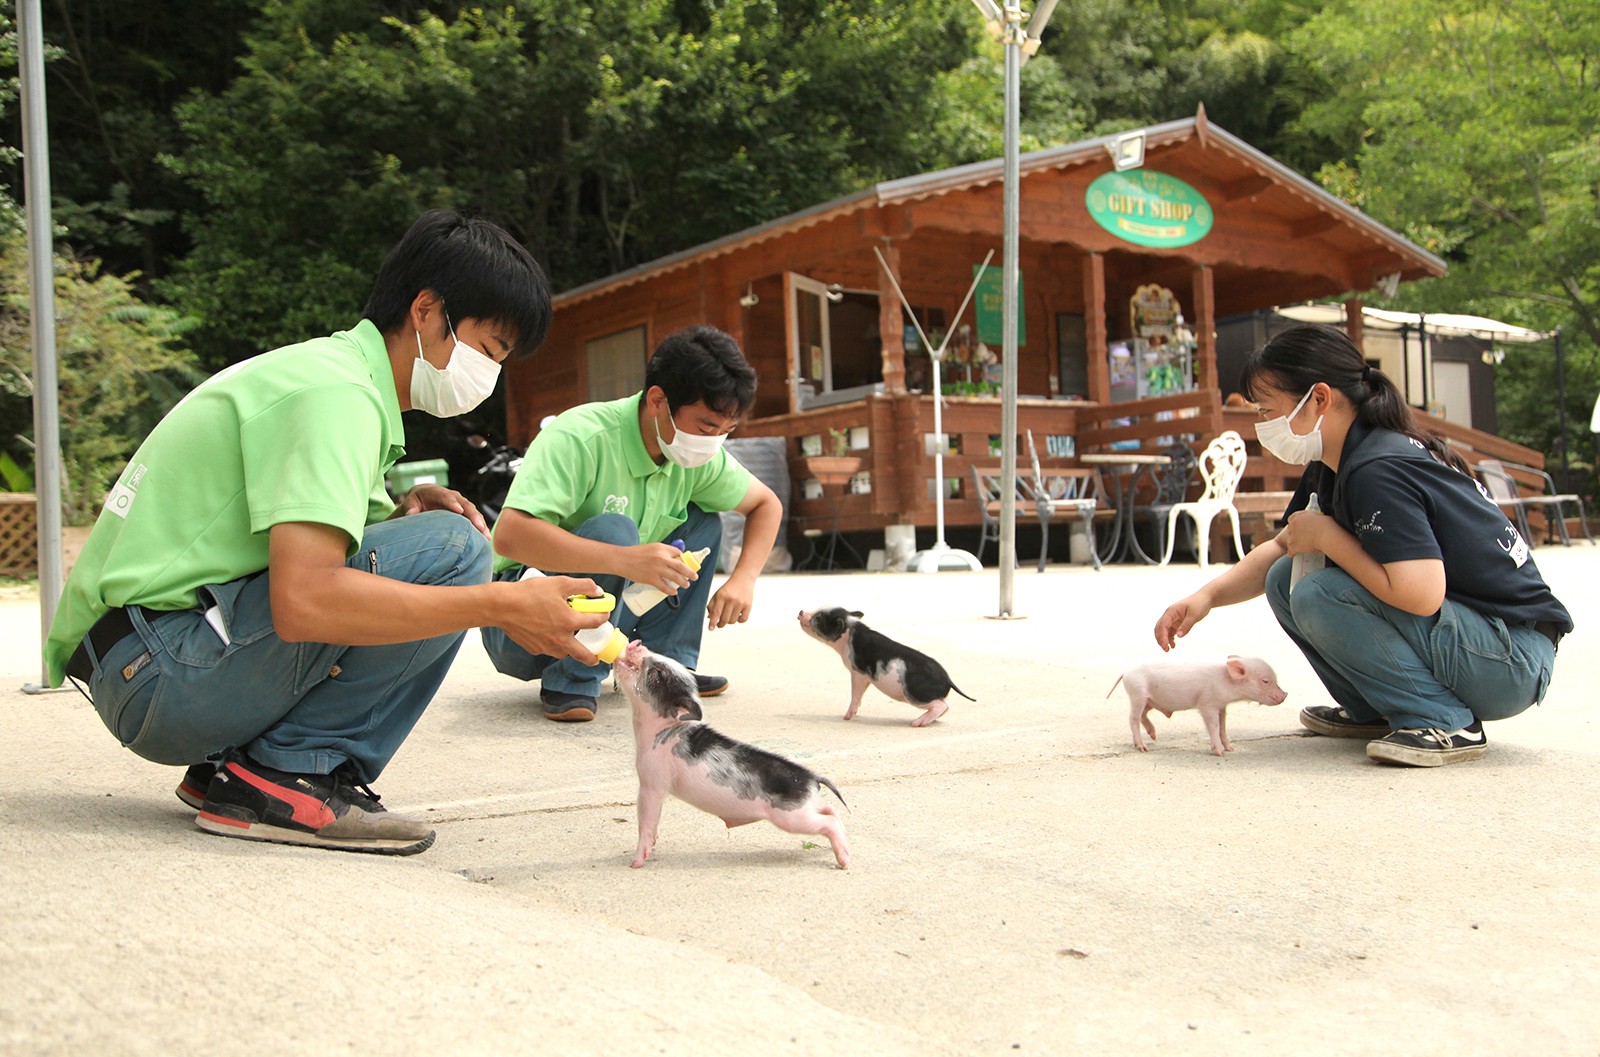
(605, 641)
(642, 597)
(1309, 561)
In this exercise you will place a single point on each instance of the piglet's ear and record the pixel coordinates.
(857, 613)
(690, 711)
(1235, 668)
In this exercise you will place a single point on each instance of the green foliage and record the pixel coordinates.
(13, 476)
(1136, 62)
(602, 135)
(113, 72)
(1475, 130)
(120, 367)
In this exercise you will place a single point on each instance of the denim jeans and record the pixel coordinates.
(1379, 662)
(304, 707)
(672, 630)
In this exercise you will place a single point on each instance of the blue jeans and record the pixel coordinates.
(304, 707)
(670, 630)
(1379, 662)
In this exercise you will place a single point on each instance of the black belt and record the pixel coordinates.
(1550, 630)
(109, 630)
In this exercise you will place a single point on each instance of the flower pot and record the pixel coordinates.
(833, 469)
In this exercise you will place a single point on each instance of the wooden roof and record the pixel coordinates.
(1268, 217)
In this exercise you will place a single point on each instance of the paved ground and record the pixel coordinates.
(1024, 881)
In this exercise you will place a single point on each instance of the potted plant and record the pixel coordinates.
(838, 466)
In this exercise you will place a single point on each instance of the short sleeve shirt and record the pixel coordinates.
(1405, 505)
(592, 460)
(302, 433)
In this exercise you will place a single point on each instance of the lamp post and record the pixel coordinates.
(42, 315)
(1020, 38)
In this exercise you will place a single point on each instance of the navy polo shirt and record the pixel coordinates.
(1405, 505)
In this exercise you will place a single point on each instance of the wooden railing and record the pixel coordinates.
(891, 434)
(1150, 424)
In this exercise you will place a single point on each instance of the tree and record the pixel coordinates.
(1474, 129)
(1136, 62)
(120, 367)
(601, 135)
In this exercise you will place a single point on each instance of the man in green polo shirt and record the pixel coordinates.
(251, 604)
(607, 488)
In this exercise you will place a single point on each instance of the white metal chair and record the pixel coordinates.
(1221, 467)
(1502, 486)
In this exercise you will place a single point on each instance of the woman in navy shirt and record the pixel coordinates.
(1430, 615)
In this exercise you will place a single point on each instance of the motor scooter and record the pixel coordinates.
(488, 484)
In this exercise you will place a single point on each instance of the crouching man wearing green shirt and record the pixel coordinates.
(250, 602)
(607, 488)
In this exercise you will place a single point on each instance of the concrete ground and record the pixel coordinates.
(1023, 880)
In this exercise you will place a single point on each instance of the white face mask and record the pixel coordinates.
(466, 381)
(688, 449)
(1297, 449)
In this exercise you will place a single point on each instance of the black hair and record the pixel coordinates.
(1296, 359)
(702, 364)
(475, 267)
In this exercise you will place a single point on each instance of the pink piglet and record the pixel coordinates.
(1173, 686)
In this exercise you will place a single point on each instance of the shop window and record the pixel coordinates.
(614, 364)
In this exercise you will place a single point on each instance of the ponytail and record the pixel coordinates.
(1298, 358)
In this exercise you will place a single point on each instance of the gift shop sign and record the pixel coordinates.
(1149, 208)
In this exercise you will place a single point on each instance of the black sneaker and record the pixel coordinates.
(1430, 747)
(1334, 722)
(709, 685)
(192, 790)
(567, 708)
(246, 799)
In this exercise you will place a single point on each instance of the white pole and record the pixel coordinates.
(938, 452)
(41, 264)
(934, 558)
(1013, 39)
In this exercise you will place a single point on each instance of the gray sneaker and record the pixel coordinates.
(567, 708)
(1430, 747)
(1334, 722)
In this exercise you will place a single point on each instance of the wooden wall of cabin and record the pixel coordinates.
(766, 346)
(936, 268)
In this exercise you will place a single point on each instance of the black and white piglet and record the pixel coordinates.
(739, 783)
(874, 659)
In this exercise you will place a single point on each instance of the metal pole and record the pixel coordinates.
(1561, 405)
(1013, 39)
(1423, 356)
(41, 257)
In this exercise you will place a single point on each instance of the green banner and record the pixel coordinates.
(989, 304)
(1149, 208)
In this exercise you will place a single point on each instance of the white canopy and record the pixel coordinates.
(1449, 324)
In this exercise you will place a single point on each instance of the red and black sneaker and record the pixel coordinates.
(246, 799)
(196, 780)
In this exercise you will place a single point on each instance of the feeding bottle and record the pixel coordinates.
(642, 597)
(1309, 561)
(605, 641)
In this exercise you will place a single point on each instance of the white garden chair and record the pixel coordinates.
(1221, 467)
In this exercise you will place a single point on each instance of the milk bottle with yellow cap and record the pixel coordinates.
(642, 597)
